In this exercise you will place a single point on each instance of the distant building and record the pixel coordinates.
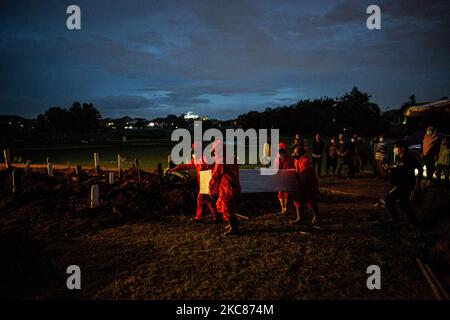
(16, 123)
(125, 123)
(191, 116)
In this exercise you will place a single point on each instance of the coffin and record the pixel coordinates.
(254, 180)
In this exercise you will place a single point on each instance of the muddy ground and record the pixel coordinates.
(140, 243)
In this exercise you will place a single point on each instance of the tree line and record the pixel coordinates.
(352, 112)
(78, 120)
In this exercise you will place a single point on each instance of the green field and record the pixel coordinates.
(148, 152)
(148, 155)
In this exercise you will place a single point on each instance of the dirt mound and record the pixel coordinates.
(65, 199)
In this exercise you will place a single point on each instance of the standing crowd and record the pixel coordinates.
(403, 167)
(343, 158)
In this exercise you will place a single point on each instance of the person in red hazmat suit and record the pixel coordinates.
(203, 200)
(308, 192)
(283, 161)
(225, 179)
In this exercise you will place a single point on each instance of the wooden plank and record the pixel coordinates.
(252, 181)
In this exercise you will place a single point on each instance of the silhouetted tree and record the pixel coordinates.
(353, 111)
(77, 121)
(57, 120)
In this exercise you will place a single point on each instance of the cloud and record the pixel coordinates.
(125, 102)
(219, 57)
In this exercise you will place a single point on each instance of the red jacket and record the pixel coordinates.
(286, 162)
(309, 183)
(225, 177)
(199, 165)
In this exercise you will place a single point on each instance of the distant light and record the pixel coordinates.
(151, 124)
(191, 115)
(405, 120)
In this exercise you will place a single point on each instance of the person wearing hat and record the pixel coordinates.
(225, 179)
(203, 200)
(343, 151)
(443, 162)
(332, 156)
(308, 192)
(283, 161)
(430, 150)
(380, 152)
(403, 181)
(317, 152)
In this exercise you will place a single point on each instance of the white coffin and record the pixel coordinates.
(253, 181)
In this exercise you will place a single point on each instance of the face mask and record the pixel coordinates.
(332, 141)
(396, 151)
(429, 132)
(381, 139)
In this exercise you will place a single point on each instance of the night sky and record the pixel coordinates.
(218, 58)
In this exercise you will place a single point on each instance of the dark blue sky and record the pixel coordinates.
(218, 58)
